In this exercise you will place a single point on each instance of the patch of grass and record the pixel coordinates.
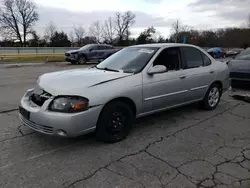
(33, 59)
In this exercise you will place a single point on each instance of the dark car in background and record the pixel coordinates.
(217, 52)
(240, 69)
(90, 52)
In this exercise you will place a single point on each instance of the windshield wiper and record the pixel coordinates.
(108, 69)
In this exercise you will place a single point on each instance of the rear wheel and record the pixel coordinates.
(82, 60)
(115, 122)
(212, 97)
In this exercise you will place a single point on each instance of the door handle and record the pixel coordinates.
(182, 77)
(212, 71)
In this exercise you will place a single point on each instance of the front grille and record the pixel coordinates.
(241, 75)
(39, 99)
(40, 128)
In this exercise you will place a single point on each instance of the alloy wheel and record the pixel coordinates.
(213, 97)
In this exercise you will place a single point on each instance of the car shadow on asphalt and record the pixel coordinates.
(140, 124)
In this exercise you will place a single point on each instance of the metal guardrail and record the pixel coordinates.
(2, 56)
(12, 52)
(35, 50)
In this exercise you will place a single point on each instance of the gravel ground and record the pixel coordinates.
(184, 147)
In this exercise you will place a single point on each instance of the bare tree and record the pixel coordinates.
(17, 18)
(79, 33)
(178, 27)
(71, 36)
(95, 31)
(109, 30)
(49, 31)
(123, 23)
(248, 21)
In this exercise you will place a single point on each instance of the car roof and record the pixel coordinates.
(164, 45)
(102, 44)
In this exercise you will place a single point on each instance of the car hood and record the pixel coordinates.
(72, 51)
(74, 81)
(239, 66)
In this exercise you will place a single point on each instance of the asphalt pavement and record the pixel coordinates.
(185, 147)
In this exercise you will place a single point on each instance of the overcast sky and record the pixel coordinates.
(200, 14)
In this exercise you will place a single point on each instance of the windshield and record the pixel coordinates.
(86, 47)
(214, 49)
(130, 59)
(244, 55)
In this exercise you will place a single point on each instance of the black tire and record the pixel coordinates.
(115, 122)
(211, 101)
(82, 60)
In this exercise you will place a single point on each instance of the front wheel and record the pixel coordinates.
(115, 122)
(82, 60)
(212, 97)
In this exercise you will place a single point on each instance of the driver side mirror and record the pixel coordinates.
(157, 69)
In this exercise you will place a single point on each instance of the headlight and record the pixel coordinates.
(69, 104)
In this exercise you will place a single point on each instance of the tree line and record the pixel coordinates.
(18, 18)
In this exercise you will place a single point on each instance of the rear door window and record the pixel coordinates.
(192, 57)
(100, 47)
(109, 47)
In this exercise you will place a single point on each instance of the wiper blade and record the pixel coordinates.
(108, 69)
(132, 72)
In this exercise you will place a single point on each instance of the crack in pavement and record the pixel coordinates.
(189, 178)
(240, 116)
(39, 155)
(151, 144)
(19, 129)
(154, 175)
(135, 153)
(8, 139)
(122, 175)
(7, 111)
(15, 137)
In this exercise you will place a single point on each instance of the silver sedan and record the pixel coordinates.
(134, 82)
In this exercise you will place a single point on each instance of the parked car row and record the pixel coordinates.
(234, 52)
(222, 53)
(217, 52)
(134, 82)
